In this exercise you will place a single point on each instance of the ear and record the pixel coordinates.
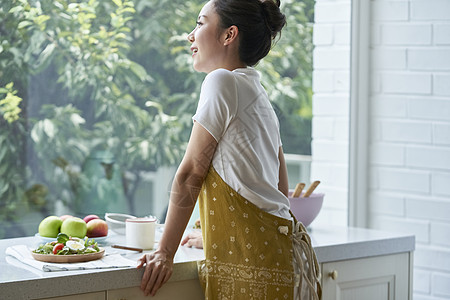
(231, 34)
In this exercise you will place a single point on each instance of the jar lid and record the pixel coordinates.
(141, 220)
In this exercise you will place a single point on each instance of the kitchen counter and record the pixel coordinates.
(19, 281)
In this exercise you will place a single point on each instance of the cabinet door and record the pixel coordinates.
(375, 278)
(186, 290)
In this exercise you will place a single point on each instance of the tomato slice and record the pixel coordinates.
(57, 247)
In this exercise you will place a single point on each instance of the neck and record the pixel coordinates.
(231, 64)
(232, 67)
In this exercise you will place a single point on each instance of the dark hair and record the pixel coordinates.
(258, 21)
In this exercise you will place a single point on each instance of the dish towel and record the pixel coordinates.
(23, 254)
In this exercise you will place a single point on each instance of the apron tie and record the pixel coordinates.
(305, 256)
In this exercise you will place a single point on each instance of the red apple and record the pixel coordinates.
(90, 217)
(63, 217)
(97, 228)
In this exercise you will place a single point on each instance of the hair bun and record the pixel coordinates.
(275, 19)
(259, 22)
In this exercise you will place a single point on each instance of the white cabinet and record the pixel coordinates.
(387, 277)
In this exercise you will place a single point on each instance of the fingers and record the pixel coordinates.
(185, 240)
(166, 278)
(153, 284)
(157, 271)
(189, 242)
(141, 261)
(198, 243)
(193, 239)
(159, 278)
(147, 273)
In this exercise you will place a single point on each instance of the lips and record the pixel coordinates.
(194, 50)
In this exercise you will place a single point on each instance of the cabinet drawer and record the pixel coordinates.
(86, 296)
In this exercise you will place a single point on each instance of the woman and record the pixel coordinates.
(234, 165)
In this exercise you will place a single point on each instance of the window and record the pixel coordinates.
(96, 99)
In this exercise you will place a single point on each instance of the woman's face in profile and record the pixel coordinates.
(207, 49)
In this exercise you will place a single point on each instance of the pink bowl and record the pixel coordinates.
(306, 209)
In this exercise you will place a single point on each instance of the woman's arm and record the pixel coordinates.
(185, 189)
(283, 184)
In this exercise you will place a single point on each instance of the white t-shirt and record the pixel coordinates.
(235, 109)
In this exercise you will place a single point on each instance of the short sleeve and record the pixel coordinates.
(280, 143)
(218, 102)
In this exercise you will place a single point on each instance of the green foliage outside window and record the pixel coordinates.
(81, 76)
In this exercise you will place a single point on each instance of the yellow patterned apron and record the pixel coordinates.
(250, 254)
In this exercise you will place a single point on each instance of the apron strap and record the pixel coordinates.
(306, 260)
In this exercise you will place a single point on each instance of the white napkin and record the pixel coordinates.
(23, 254)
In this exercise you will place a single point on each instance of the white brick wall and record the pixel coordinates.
(440, 184)
(332, 11)
(405, 34)
(330, 131)
(441, 34)
(429, 10)
(441, 84)
(390, 10)
(411, 83)
(410, 133)
(409, 108)
(441, 284)
(429, 59)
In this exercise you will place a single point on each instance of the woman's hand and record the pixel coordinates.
(158, 269)
(193, 239)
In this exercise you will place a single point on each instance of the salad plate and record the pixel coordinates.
(72, 258)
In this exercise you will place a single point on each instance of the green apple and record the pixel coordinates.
(74, 227)
(49, 227)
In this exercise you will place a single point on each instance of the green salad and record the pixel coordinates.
(65, 245)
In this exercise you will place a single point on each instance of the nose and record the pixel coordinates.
(190, 37)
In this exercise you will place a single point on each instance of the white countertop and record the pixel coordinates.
(18, 281)
(342, 243)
